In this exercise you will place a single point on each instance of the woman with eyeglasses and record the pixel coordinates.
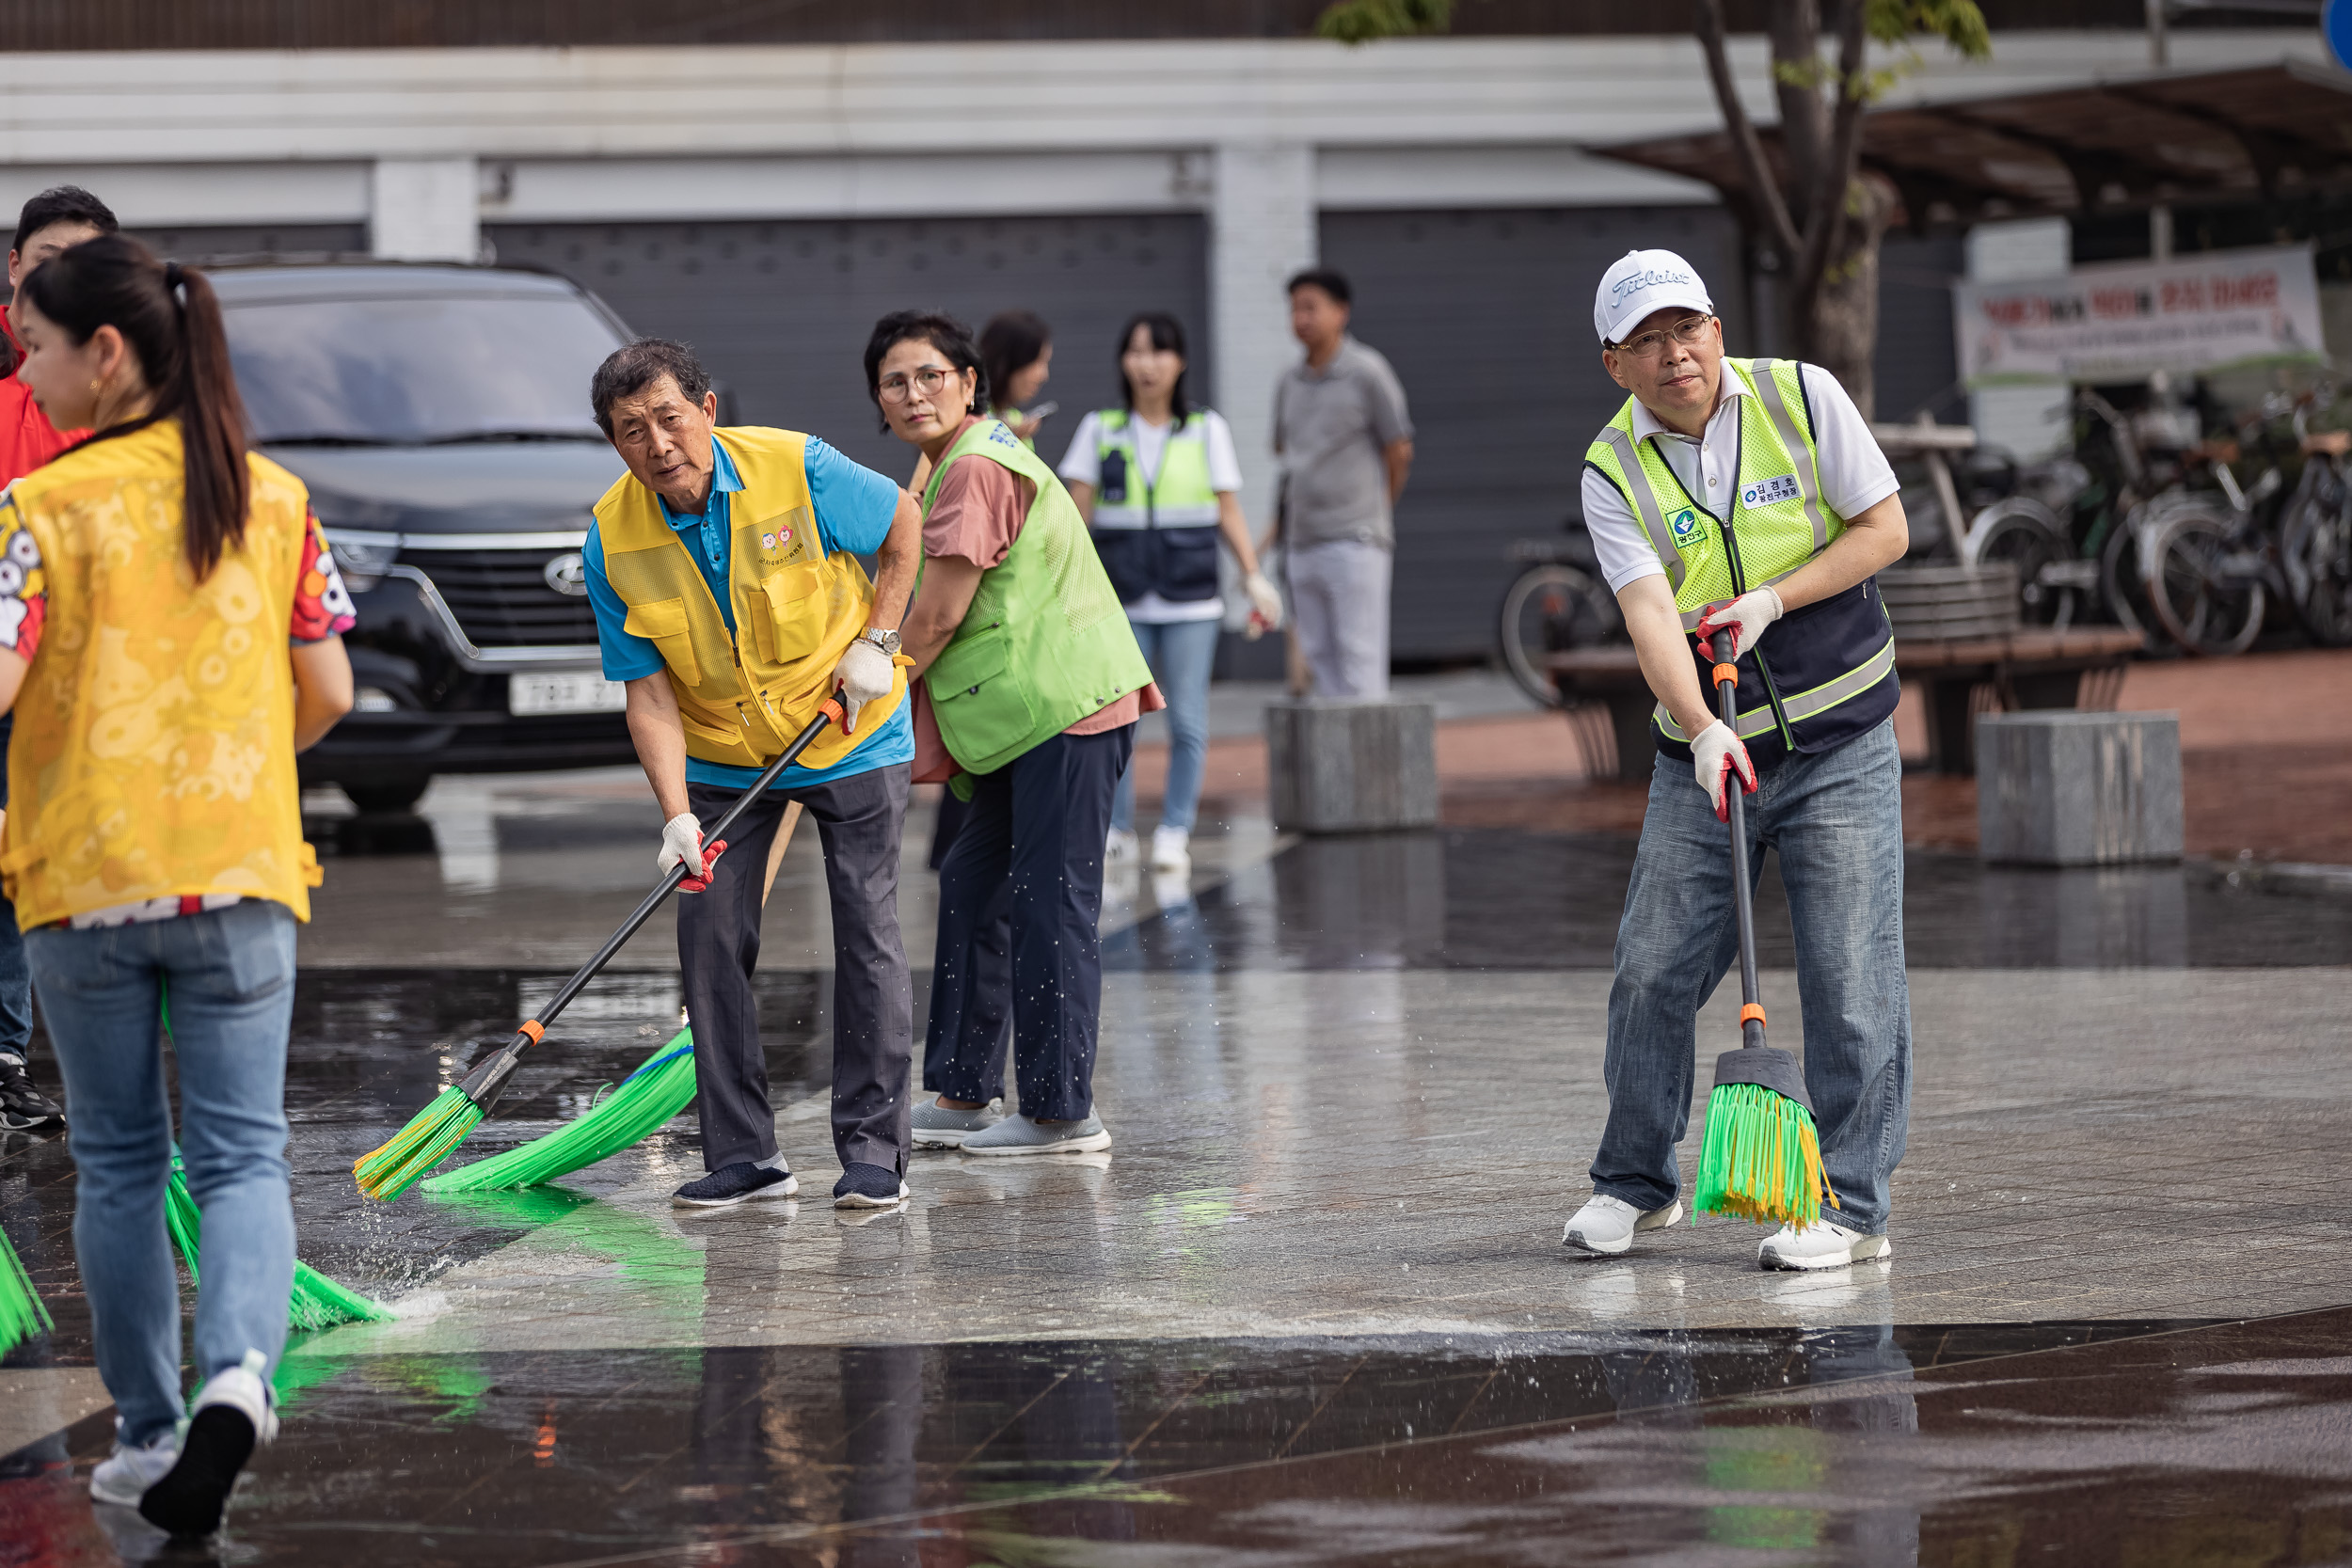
(170, 635)
(1159, 485)
(1032, 684)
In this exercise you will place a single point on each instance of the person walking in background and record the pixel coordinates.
(60, 216)
(1345, 444)
(150, 580)
(1032, 686)
(1016, 358)
(1158, 483)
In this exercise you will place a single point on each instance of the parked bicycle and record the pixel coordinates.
(1557, 602)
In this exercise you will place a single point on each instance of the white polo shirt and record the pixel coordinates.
(1856, 475)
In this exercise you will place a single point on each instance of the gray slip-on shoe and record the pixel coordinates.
(1018, 1134)
(937, 1127)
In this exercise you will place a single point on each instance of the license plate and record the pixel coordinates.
(565, 693)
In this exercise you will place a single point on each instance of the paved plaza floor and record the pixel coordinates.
(1311, 1308)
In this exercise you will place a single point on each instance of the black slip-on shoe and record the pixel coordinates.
(865, 1186)
(731, 1184)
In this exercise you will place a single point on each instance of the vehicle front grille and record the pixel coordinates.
(502, 599)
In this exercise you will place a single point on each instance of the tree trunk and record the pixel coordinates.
(1839, 328)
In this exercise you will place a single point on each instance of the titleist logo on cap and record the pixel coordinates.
(1636, 281)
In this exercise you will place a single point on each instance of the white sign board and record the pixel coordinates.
(2123, 320)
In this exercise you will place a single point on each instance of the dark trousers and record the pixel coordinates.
(1019, 900)
(859, 820)
(16, 978)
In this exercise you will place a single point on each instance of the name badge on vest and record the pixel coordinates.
(1770, 492)
(785, 540)
(1685, 524)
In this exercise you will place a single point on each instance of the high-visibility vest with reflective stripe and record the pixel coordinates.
(1820, 675)
(1156, 532)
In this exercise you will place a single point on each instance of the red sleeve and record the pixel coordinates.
(322, 606)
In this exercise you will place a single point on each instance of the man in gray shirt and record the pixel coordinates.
(1345, 444)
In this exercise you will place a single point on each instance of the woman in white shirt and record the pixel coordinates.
(1158, 484)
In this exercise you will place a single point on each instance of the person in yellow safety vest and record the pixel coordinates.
(1748, 496)
(170, 635)
(723, 569)
(1157, 480)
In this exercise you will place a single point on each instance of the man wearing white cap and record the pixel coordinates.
(1747, 496)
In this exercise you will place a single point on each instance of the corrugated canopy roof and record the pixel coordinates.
(2113, 145)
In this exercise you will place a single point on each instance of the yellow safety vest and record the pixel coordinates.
(153, 751)
(744, 696)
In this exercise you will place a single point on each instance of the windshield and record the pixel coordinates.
(383, 372)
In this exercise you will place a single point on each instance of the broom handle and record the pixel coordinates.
(1726, 677)
(532, 1032)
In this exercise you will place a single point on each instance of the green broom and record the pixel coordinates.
(387, 1172)
(21, 1315)
(1762, 1158)
(317, 1301)
(658, 1090)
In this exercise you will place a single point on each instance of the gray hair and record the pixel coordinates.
(627, 372)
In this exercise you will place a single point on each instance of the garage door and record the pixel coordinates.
(1487, 317)
(303, 240)
(780, 311)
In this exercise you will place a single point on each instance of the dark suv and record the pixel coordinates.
(440, 415)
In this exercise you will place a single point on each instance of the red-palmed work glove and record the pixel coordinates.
(682, 840)
(865, 674)
(1744, 617)
(1716, 753)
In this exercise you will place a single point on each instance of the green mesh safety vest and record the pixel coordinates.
(1045, 643)
(1820, 675)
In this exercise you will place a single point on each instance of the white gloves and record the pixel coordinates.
(682, 840)
(1265, 605)
(1744, 617)
(1714, 752)
(864, 675)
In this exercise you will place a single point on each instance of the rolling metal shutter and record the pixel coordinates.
(1487, 316)
(1917, 365)
(780, 311)
(307, 240)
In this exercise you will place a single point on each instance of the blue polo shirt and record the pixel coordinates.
(853, 507)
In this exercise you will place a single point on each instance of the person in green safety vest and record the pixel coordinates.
(1031, 684)
(1747, 496)
(1158, 481)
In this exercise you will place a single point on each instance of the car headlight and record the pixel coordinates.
(363, 558)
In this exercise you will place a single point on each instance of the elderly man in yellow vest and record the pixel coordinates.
(1747, 496)
(723, 573)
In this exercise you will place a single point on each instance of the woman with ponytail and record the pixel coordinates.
(170, 635)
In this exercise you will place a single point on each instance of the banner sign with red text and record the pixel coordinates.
(2123, 320)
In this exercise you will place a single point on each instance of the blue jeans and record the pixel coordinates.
(1181, 654)
(230, 973)
(1836, 821)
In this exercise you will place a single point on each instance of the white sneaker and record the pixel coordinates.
(246, 1389)
(123, 1477)
(1118, 847)
(1605, 1226)
(232, 1416)
(1820, 1246)
(1171, 849)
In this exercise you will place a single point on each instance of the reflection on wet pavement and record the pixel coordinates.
(1862, 1445)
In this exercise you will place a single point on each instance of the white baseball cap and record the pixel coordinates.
(1641, 283)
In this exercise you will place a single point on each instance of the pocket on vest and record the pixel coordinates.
(983, 711)
(1188, 563)
(662, 622)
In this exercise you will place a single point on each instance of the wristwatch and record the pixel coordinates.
(886, 641)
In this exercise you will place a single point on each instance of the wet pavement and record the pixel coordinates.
(1311, 1308)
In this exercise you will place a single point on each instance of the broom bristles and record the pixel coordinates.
(21, 1315)
(317, 1301)
(1762, 1158)
(659, 1088)
(385, 1173)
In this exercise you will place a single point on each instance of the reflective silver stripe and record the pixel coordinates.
(1645, 503)
(1801, 453)
(1116, 517)
(1752, 723)
(1854, 682)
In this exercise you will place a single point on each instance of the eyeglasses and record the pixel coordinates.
(927, 379)
(1650, 345)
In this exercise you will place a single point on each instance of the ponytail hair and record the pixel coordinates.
(171, 317)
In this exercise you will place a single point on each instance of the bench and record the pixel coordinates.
(2079, 668)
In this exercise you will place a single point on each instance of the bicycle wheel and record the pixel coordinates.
(2022, 533)
(1550, 609)
(2316, 548)
(2120, 576)
(2199, 584)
